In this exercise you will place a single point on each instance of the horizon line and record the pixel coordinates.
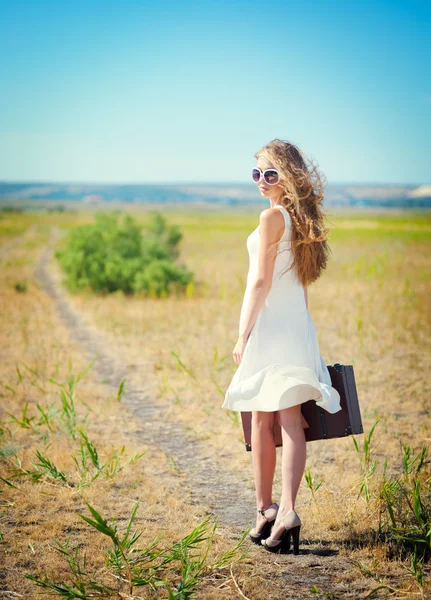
(195, 183)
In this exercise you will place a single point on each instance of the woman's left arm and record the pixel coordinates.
(270, 230)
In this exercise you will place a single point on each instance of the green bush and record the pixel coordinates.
(20, 286)
(110, 255)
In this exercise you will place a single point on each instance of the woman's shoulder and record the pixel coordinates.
(272, 214)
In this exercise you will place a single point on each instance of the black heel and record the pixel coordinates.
(264, 533)
(295, 535)
(266, 529)
(283, 544)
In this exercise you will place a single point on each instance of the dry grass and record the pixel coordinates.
(371, 309)
(35, 348)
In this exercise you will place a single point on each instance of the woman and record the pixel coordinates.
(280, 365)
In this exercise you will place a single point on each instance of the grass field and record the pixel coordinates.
(68, 445)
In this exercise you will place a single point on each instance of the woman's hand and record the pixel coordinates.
(238, 351)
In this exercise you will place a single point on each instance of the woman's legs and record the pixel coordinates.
(293, 460)
(263, 457)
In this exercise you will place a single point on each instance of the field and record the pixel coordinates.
(110, 415)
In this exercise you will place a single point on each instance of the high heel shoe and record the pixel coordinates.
(270, 514)
(292, 524)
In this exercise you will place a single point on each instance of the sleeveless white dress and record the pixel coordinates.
(281, 364)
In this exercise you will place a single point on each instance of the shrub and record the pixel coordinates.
(111, 255)
(21, 286)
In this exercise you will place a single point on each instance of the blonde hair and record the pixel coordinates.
(302, 187)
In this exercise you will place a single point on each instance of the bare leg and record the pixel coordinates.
(293, 460)
(264, 460)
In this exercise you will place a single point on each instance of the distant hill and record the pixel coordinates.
(401, 196)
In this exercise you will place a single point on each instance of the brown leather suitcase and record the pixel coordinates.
(322, 424)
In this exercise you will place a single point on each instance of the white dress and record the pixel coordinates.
(281, 364)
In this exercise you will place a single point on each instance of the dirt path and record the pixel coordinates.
(223, 492)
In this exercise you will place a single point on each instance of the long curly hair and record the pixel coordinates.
(302, 185)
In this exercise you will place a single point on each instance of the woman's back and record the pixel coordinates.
(286, 287)
(281, 365)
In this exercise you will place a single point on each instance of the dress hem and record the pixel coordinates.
(280, 386)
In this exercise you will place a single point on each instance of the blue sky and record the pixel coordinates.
(137, 91)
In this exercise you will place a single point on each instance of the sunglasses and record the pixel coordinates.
(270, 176)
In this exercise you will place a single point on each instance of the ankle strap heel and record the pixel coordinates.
(269, 514)
(292, 526)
